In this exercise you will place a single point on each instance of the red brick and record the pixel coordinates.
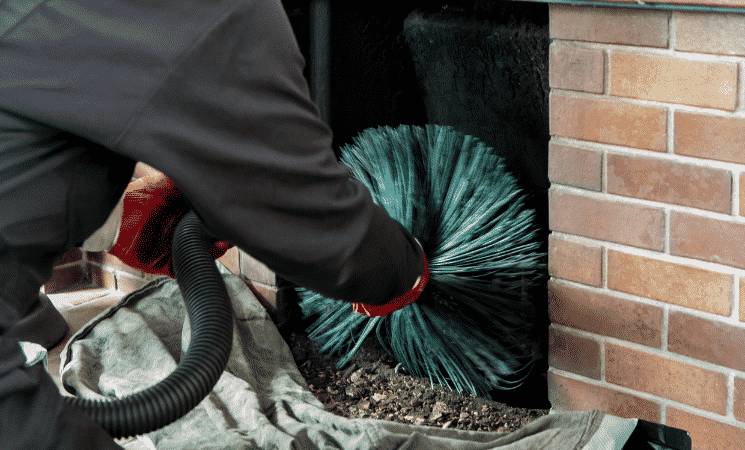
(266, 294)
(574, 261)
(609, 25)
(742, 194)
(574, 353)
(581, 308)
(606, 220)
(102, 277)
(710, 137)
(707, 239)
(107, 260)
(63, 278)
(710, 33)
(71, 256)
(742, 299)
(668, 282)
(576, 69)
(671, 182)
(129, 284)
(706, 434)
(673, 80)
(609, 121)
(278, 301)
(739, 399)
(255, 270)
(664, 377)
(715, 342)
(574, 166)
(566, 394)
(231, 260)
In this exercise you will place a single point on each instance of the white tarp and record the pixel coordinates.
(261, 401)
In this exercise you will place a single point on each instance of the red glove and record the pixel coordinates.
(399, 302)
(152, 209)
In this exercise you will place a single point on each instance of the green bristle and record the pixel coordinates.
(469, 330)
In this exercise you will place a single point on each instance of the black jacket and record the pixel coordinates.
(210, 92)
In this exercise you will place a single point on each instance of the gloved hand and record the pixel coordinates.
(152, 209)
(399, 302)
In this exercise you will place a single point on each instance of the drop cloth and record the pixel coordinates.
(261, 401)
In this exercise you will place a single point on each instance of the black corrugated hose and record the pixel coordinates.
(211, 319)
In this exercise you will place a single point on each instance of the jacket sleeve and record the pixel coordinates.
(213, 95)
(234, 127)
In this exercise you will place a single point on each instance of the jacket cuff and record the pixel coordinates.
(399, 302)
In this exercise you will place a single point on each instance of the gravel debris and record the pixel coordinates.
(371, 387)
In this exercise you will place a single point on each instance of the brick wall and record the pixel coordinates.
(78, 270)
(647, 249)
(70, 272)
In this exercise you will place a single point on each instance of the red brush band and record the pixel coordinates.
(397, 303)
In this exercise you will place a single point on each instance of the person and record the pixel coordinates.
(212, 94)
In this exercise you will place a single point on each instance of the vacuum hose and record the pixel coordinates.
(211, 319)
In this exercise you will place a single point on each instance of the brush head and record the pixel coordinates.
(472, 327)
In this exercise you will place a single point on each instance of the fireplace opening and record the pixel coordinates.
(479, 66)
